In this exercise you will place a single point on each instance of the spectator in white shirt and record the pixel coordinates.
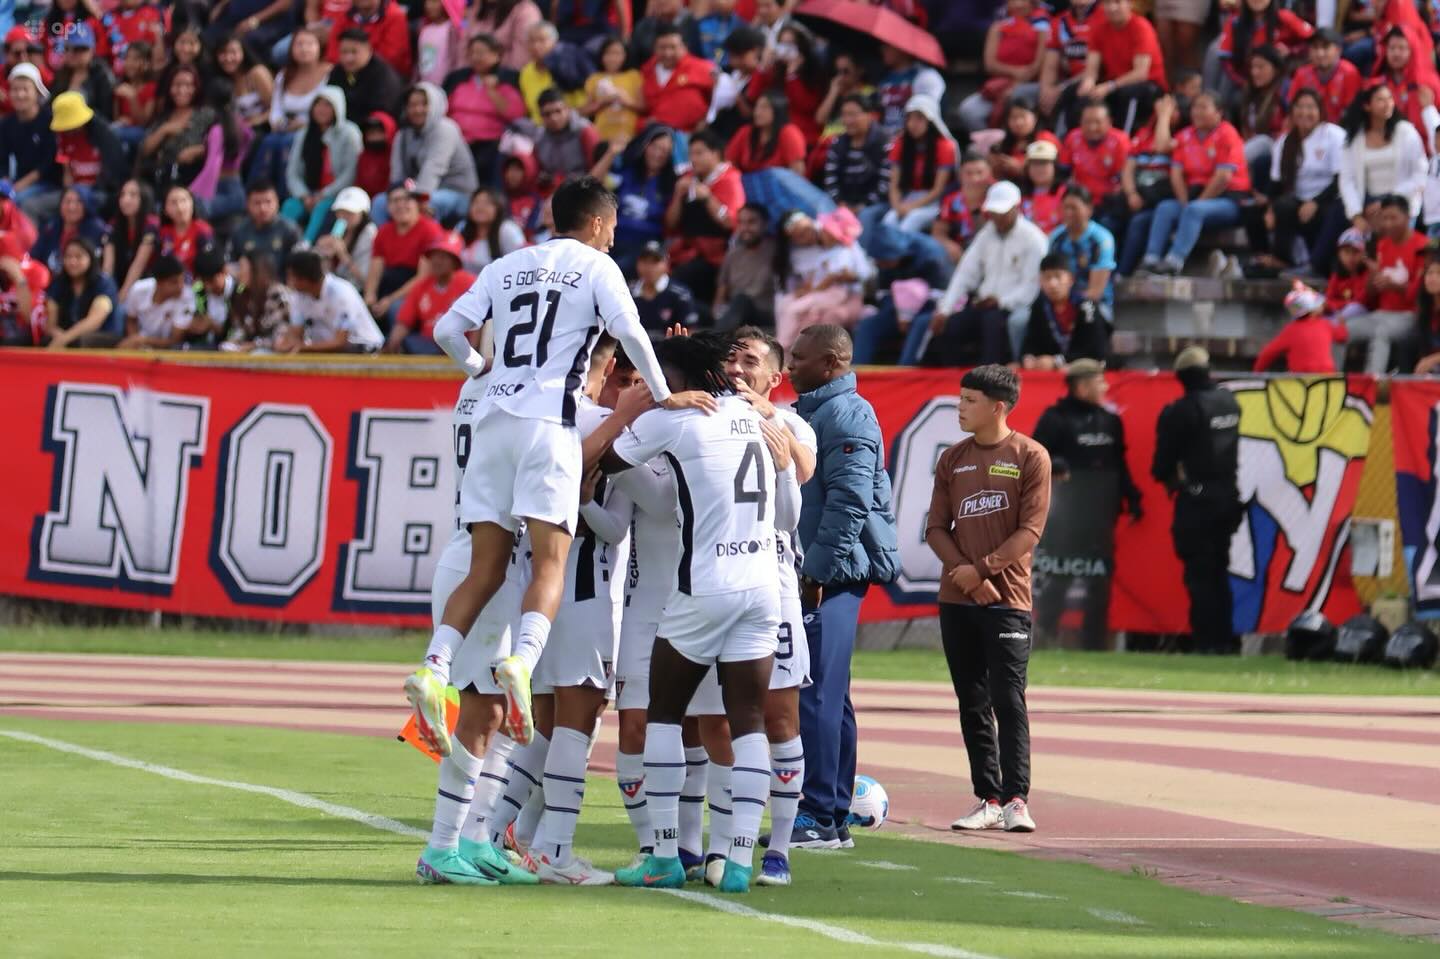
(1384, 155)
(1304, 185)
(160, 309)
(328, 314)
(993, 287)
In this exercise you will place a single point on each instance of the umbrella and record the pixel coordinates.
(881, 23)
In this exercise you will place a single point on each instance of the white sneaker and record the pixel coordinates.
(576, 872)
(638, 861)
(1017, 816)
(1218, 262)
(714, 871)
(985, 815)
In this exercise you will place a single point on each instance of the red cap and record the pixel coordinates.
(447, 243)
(17, 34)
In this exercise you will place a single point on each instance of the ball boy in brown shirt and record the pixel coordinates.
(991, 498)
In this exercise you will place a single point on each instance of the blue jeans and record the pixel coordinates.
(1137, 232)
(268, 162)
(884, 325)
(447, 205)
(228, 201)
(1187, 223)
(827, 717)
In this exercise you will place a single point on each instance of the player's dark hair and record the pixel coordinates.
(832, 339)
(166, 266)
(622, 360)
(700, 361)
(307, 265)
(604, 348)
(777, 352)
(995, 381)
(577, 200)
(1055, 261)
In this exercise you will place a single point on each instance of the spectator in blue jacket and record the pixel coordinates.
(848, 535)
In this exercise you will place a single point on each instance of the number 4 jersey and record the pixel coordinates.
(724, 481)
(548, 303)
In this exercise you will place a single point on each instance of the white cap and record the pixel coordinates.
(1002, 197)
(29, 72)
(352, 199)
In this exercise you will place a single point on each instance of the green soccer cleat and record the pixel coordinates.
(513, 676)
(737, 877)
(442, 866)
(654, 873)
(494, 864)
(427, 695)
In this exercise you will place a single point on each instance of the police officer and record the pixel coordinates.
(1086, 443)
(1197, 440)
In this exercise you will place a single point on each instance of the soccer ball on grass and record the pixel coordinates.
(869, 804)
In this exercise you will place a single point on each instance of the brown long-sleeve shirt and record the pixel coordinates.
(992, 501)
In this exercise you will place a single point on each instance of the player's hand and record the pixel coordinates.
(967, 578)
(777, 438)
(632, 402)
(691, 400)
(676, 330)
(811, 593)
(762, 405)
(986, 595)
(588, 484)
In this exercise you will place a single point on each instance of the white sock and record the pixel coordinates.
(692, 799)
(564, 793)
(529, 819)
(717, 790)
(494, 777)
(527, 764)
(665, 774)
(531, 639)
(630, 777)
(441, 651)
(787, 772)
(452, 796)
(749, 785)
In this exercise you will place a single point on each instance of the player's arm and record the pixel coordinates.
(651, 435)
(1034, 509)
(610, 521)
(628, 407)
(471, 311)
(787, 489)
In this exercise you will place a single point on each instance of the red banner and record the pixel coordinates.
(261, 493)
(1415, 412)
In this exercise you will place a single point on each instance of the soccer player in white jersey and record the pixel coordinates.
(755, 362)
(724, 607)
(548, 303)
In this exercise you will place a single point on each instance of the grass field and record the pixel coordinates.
(1255, 674)
(98, 858)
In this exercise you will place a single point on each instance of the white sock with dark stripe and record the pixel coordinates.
(630, 777)
(665, 777)
(494, 777)
(787, 772)
(564, 793)
(452, 796)
(527, 764)
(692, 799)
(529, 819)
(530, 641)
(717, 791)
(749, 785)
(441, 651)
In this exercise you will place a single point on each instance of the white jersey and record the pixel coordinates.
(338, 307)
(654, 537)
(456, 554)
(158, 320)
(724, 482)
(549, 304)
(594, 570)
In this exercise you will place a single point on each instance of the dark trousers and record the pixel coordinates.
(1319, 235)
(827, 717)
(699, 275)
(1050, 606)
(988, 651)
(1202, 529)
(743, 310)
(972, 336)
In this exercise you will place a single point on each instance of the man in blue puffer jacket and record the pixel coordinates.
(847, 532)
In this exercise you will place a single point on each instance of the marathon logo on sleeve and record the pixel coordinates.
(984, 503)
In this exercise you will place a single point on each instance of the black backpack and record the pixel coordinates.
(1361, 639)
(1412, 646)
(1310, 636)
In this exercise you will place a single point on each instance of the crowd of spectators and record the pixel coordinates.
(330, 174)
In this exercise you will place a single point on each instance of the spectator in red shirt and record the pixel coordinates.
(1067, 49)
(1411, 78)
(1260, 112)
(1427, 317)
(1336, 80)
(677, 84)
(769, 139)
(133, 21)
(798, 72)
(89, 154)
(1394, 284)
(1345, 293)
(1307, 343)
(1124, 65)
(1260, 23)
(1040, 191)
(395, 255)
(960, 216)
(1022, 128)
(702, 215)
(61, 23)
(13, 220)
(134, 96)
(387, 27)
(430, 297)
(1095, 154)
(922, 161)
(1208, 176)
(182, 234)
(1014, 48)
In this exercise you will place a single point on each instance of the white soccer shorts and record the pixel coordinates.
(632, 669)
(488, 641)
(792, 653)
(521, 469)
(581, 648)
(725, 627)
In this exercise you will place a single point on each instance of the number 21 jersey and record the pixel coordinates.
(549, 304)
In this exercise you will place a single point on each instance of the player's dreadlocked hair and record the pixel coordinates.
(700, 361)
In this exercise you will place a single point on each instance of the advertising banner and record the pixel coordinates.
(1415, 406)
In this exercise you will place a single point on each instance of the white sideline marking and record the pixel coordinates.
(384, 823)
(838, 933)
(1115, 915)
(966, 880)
(1024, 894)
(882, 864)
(284, 795)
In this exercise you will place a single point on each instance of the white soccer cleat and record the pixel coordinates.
(987, 814)
(714, 871)
(576, 872)
(1016, 816)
